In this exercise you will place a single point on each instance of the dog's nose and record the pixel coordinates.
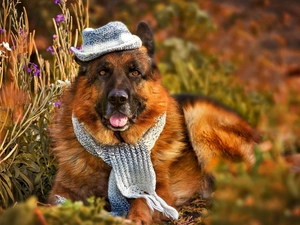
(117, 97)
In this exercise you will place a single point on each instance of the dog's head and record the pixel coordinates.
(119, 95)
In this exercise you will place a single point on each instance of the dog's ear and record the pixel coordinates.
(82, 64)
(145, 34)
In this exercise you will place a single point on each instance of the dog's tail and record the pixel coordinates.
(217, 131)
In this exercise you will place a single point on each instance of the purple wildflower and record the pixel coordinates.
(51, 50)
(33, 68)
(59, 18)
(23, 32)
(57, 104)
(2, 31)
(37, 72)
(54, 36)
(56, 2)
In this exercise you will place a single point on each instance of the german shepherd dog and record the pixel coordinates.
(127, 85)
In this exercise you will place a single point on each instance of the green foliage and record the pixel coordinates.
(27, 167)
(20, 214)
(77, 213)
(183, 12)
(29, 213)
(270, 194)
(194, 72)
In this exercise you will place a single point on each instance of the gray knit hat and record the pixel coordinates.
(114, 36)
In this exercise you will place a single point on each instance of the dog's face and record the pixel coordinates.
(122, 77)
(119, 95)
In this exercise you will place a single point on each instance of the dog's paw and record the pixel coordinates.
(139, 217)
(140, 221)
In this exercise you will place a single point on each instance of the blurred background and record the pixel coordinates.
(261, 37)
(256, 41)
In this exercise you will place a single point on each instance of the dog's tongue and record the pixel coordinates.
(118, 120)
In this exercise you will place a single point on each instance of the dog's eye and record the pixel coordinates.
(102, 73)
(135, 73)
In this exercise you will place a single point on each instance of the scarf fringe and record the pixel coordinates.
(156, 202)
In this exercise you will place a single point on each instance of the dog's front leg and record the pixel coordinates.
(139, 212)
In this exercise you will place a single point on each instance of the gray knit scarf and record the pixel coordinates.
(132, 174)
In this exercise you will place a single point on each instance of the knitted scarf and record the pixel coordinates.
(132, 174)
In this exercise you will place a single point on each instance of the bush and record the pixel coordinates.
(29, 91)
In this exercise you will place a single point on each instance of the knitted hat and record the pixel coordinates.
(114, 36)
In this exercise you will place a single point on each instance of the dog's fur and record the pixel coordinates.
(197, 130)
